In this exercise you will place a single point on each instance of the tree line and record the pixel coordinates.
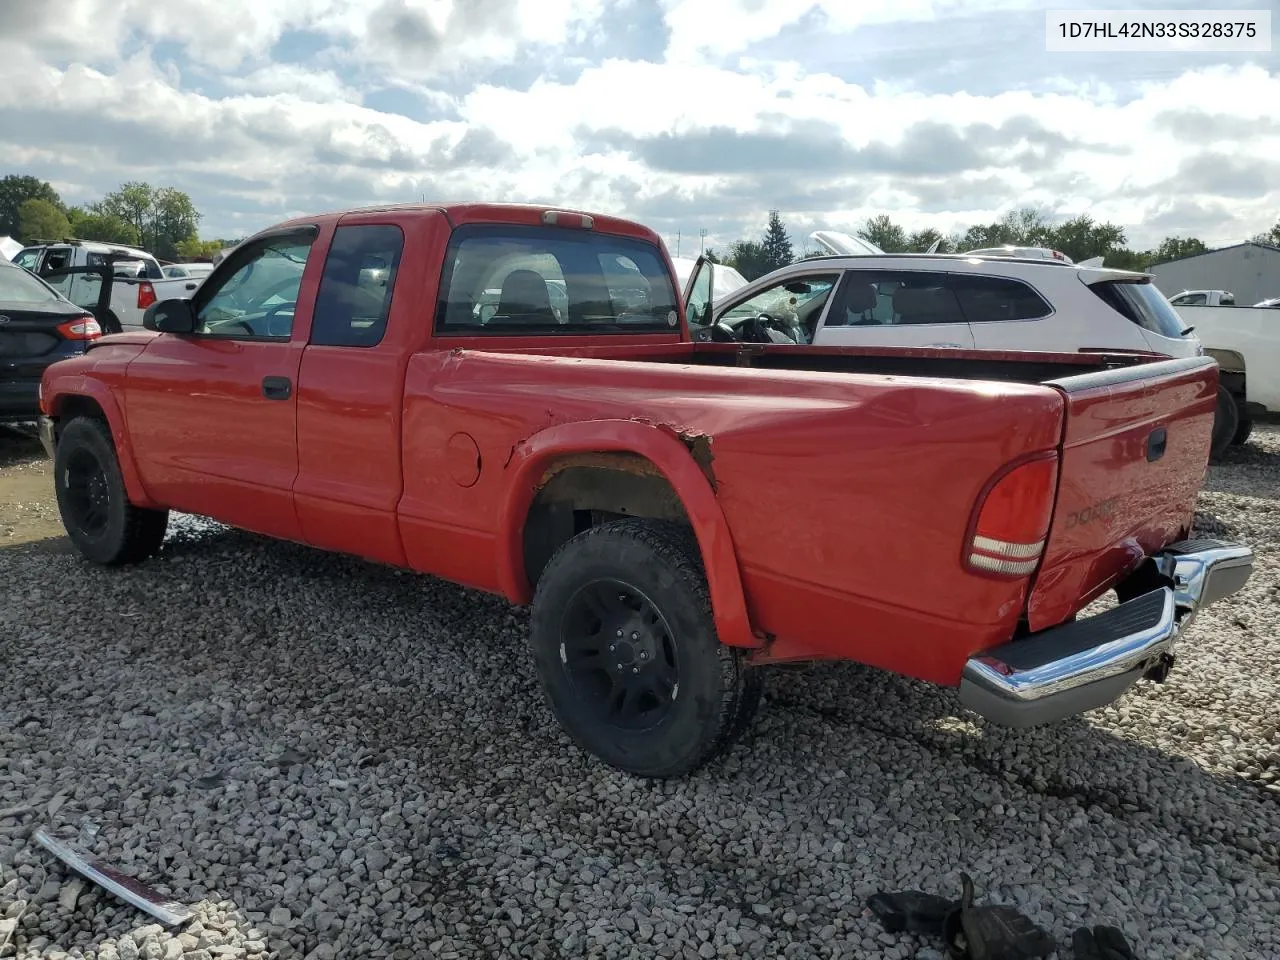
(1080, 238)
(162, 220)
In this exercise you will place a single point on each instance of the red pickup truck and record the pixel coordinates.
(511, 398)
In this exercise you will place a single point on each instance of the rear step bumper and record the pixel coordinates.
(1080, 666)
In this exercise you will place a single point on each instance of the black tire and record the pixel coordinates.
(1225, 423)
(634, 592)
(111, 324)
(99, 519)
(1242, 432)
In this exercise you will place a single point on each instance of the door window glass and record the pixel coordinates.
(258, 297)
(355, 290)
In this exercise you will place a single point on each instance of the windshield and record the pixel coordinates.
(19, 286)
(1144, 304)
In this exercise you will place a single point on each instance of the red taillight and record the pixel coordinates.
(81, 328)
(146, 295)
(1013, 520)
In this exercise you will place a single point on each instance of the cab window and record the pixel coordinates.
(355, 290)
(518, 281)
(256, 299)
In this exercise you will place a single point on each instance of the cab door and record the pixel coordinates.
(213, 412)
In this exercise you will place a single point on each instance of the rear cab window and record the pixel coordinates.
(1142, 303)
(520, 281)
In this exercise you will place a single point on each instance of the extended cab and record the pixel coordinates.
(678, 513)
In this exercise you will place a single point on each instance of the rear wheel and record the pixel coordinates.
(1225, 423)
(625, 645)
(1242, 432)
(99, 519)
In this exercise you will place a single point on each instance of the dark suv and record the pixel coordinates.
(38, 326)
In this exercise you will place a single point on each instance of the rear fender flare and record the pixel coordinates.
(662, 447)
(98, 392)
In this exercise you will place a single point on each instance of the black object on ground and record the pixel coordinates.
(911, 911)
(993, 932)
(1101, 943)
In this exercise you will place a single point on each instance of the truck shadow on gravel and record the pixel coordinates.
(830, 706)
(19, 445)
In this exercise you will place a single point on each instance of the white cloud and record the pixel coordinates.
(691, 142)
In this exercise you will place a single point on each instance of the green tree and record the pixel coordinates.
(749, 258)
(1026, 226)
(1174, 248)
(1122, 258)
(175, 220)
(106, 227)
(15, 190)
(885, 234)
(133, 203)
(1272, 236)
(41, 220)
(922, 240)
(194, 249)
(1080, 238)
(776, 245)
(162, 216)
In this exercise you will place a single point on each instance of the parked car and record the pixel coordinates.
(678, 513)
(189, 271)
(1203, 298)
(137, 277)
(1271, 304)
(1246, 343)
(38, 326)
(952, 301)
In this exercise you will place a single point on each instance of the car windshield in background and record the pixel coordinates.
(1144, 304)
(539, 280)
(19, 286)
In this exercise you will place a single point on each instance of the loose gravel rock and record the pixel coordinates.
(334, 759)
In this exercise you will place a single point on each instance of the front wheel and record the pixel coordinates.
(625, 645)
(99, 519)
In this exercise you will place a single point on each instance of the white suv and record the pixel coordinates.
(952, 301)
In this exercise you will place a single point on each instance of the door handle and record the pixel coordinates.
(191, 286)
(1157, 442)
(277, 388)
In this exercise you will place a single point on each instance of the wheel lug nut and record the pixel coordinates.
(635, 636)
(643, 655)
(635, 669)
(619, 633)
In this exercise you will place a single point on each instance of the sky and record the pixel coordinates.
(686, 115)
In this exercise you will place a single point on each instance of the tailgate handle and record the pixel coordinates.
(1157, 441)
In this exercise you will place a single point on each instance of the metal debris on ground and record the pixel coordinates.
(130, 889)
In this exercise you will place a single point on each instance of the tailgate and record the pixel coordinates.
(1134, 455)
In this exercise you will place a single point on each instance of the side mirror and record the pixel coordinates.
(170, 316)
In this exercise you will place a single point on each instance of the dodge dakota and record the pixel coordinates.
(678, 514)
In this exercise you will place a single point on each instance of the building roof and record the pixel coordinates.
(1192, 256)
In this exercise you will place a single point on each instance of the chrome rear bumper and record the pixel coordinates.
(1087, 664)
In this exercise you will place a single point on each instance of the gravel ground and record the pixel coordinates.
(338, 760)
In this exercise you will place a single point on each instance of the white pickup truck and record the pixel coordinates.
(1246, 343)
(72, 268)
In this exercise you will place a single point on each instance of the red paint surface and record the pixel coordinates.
(842, 504)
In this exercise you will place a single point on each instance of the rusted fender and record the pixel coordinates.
(663, 447)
